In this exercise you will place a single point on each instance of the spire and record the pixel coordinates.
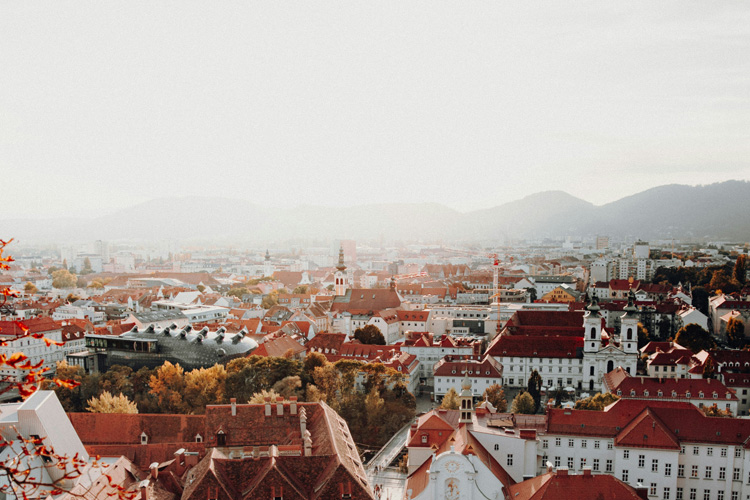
(593, 307)
(268, 255)
(341, 267)
(467, 399)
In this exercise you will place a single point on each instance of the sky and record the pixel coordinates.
(471, 104)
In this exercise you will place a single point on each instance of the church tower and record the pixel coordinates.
(592, 327)
(467, 400)
(340, 275)
(267, 266)
(629, 326)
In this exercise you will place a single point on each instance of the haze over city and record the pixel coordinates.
(341, 103)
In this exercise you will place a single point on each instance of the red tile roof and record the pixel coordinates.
(563, 486)
(536, 347)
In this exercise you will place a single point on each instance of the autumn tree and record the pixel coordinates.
(300, 289)
(643, 336)
(260, 397)
(30, 288)
(695, 338)
(715, 411)
(597, 402)
(204, 386)
(369, 334)
(699, 297)
(495, 394)
(709, 369)
(523, 403)
(271, 299)
(238, 292)
(450, 400)
(63, 279)
(736, 333)
(107, 403)
(168, 387)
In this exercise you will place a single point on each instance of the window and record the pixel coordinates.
(582, 463)
(557, 441)
(654, 465)
(738, 453)
(680, 470)
(510, 460)
(693, 494)
(735, 495)
(678, 494)
(694, 471)
(583, 443)
(682, 450)
(626, 454)
(596, 445)
(595, 465)
(557, 462)
(665, 494)
(706, 494)
(720, 495)
(608, 466)
(667, 470)
(424, 439)
(652, 489)
(609, 446)
(570, 463)
(571, 443)
(641, 461)
(695, 450)
(722, 472)
(710, 452)
(708, 472)
(736, 475)
(723, 452)
(545, 444)
(625, 475)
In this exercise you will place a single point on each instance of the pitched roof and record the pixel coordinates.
(536, 347)
(366, 299)
(561, 485)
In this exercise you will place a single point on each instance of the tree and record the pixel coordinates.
(523, 403)
(30, 288)
(597, 402)
(714, 411)
(201, 288)
(724, 282)
(695, 338)
(450, 400)
(238, 292)
(300, 289)
(87, 267)
(736, 333)
(204, 386)
(288, 387)
(63, 279)
(534, 388)
(700, 299)
(260, 397)
(369, 334)
(739, 273)
(643, 336)
(271, 299)
(495, 394)
(107, 403)
(168, 386)
(709, 370)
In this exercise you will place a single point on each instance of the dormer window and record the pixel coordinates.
(424, 438)
(277, 493)
(687, 394)
(632, 392)
(716, 395)
(619, 392)
(700, 394)
(144, 438)
(660, 394)
(674, 394)
(645, 393)
(198, 438)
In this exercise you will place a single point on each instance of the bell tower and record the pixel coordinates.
(629, 326)
(340, 275)
(467, 400)
(592, 327)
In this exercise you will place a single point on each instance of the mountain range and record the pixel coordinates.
(715, 211)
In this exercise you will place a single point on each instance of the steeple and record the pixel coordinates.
(467, 399)
(629, 326)
(267, 266)
(592, 326)
(268, 255)
(341, 267)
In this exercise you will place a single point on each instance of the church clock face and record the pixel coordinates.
(451, 466)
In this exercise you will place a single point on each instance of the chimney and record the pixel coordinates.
(307, 439)
(191, 458)
(233, 401)
(562, 471)
(642, 492)
(587, 472)
(154, 468)
(293, 405)
(143, 485)
(279, 406)
(302, 422)
(268, 406)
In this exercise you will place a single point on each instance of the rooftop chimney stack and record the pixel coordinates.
(154, 469)
(302, 422)
(268, 406)
(279, 406)
(293, 405)
(307, 439)
(233, 401)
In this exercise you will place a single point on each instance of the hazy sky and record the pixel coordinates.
(471, 104)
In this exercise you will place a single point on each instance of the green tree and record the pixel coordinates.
(739, 272)
(369, 334)
(597, 402)
(63, 279)
(700, 299)
(523, 403)
(118, 380)
(695, 338)
(30, 288)
(450, 400)
(495, 394)
(87, 267)
(201, 288)
(736, 333)
(534, 387)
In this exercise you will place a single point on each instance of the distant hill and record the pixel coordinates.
(717, 211)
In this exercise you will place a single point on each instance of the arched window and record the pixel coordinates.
(593, 333)
(610, 365)
(591, 371)
(630, 334)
